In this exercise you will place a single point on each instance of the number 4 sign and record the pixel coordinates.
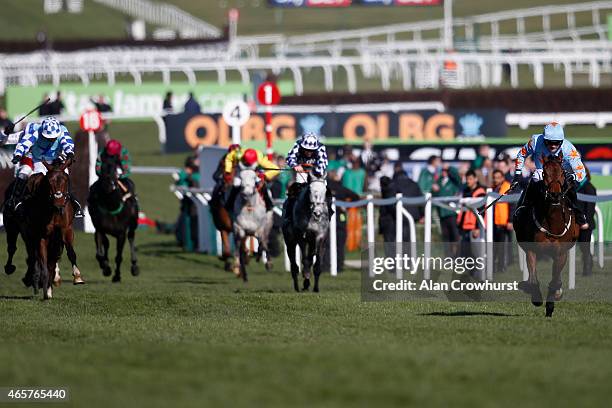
(236, 114)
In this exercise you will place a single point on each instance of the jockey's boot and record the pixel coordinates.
(573, 199)
(526, 196)
(267, 196)
(292, 192)
(78, 210)
(229, 204)
(17, 197)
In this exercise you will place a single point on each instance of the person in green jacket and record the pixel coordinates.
(429, 174)
(354, 178)
(448, 185)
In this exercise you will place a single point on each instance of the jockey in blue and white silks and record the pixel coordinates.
(540, 147)
(38, 143)
(307, 150)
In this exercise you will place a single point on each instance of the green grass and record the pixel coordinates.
(185, 333)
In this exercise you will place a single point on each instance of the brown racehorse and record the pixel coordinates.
(547, 228)
(49, 217)
(223, 221)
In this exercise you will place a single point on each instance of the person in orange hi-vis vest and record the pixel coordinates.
(466, 220)
(502, 230)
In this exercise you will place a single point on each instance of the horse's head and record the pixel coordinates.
(58, 182)
(248, 182)
(554, 179)
(318, 204)
(108, 176)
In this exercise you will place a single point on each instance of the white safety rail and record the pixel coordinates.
(524, 120)
(412, 70)
(166, 15)
(467, 26)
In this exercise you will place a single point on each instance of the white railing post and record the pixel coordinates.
(600, 236)
(523, 263)
(427, 235)
(572, 268)
(489, 225)
(399, 233)
(370, 229)
(333, 255)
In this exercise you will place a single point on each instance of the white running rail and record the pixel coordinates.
(165, 15)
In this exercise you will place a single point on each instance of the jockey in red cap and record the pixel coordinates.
(115, 151)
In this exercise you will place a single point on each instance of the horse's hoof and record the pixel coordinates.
(57, 282)
(135, 270)
(537, 303)
(558, 295)
(297, 288)
(9, 269)
(236, 270)
(116, 278)
(550, 308)
(107, 271)
(27, 281)
(269, 266)
(315, 289)
(77, 280)
(227, 267)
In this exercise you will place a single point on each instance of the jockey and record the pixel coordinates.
(116, 152)
(541, 146)
(47, 141)
(254, 160)
(306, 152)
(220, 177)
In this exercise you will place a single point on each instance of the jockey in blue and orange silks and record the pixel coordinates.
(541, 146)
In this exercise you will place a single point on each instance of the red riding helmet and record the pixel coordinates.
(233, 147)
(113, 147)
(249, 157)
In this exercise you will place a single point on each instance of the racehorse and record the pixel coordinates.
(114, 211)
(307, 228)
(49, 222)
(548, 227)
(223, 222)
(251, 220)
(15, 226)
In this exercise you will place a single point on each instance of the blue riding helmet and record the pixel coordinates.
(554, 132)
(51, 128)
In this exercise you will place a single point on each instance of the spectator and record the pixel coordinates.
(5, 122)
(57, 106)
(408, 188)
(584, 238)
(448, 185)
(43, 110)
(466, 220)
(101, 104)
(335, 163)
(429, 174)
(187, 225)
(502, 229)
(386, 167)
(502, 163)
(483, 153)
(342, 194)
(167, 106)
(485, 172)
(398, 171)
(192, 106)
(282, 180)
(354, 178)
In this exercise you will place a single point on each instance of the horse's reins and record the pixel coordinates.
(569, 221)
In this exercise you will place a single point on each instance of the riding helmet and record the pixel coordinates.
(554, 131)
(113, 147)
(51, 128)
(249, 157)
(310, 141)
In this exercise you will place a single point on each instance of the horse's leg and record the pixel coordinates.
(12, 233)
(227, 252)
(532, 285)
(307, 256)
(320, 245)
(554, 286)
(119, 257)
(244, 258)
(69, 242)
(131, 237)
(31, 262)
(295, 269)
(43, 272)
(102, 252)
(237, 249)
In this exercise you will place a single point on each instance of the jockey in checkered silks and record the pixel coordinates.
(47, 141)
(307, 158)
(540, 147)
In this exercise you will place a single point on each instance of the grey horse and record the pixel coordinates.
(307, 228)
(251, 220)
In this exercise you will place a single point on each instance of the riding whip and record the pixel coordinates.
(33, 110)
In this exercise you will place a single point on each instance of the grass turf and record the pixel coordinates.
(185, 333)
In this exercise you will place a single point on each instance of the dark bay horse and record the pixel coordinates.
(307, 228)
(49, 216)
(223, 222)
(14, 225)
(114, 211)
(547, 228)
